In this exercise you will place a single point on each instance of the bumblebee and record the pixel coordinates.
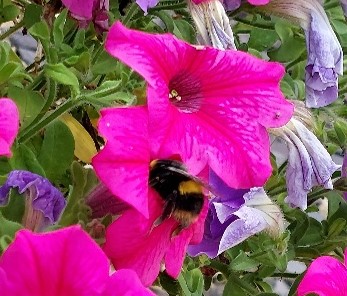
(182, 193)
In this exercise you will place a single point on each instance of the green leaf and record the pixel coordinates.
(336, 227)
(104, 64)
(15, 208)
(29, 103)
(32, 15)
(8, 71)
(8, 229)
(184, 30)
(60, 73)
(243, 263)
(40, 30)
(83, 181)
(57, 150)
(9, 13)
(191, 282)
(58, 28)
(24, 159)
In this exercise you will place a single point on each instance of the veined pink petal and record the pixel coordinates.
(126, 282)
(63, 262)
(207, 105)
(258, 2)
(130, 242)
(9, 125)
(81, 8)
(326, 276)
(175, 255)
(235, 147)
(123, 164)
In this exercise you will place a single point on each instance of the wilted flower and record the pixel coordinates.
(325, 56)
(235, 215)
(95, 11)
(206, 105)
(9, 123)
(309, 163)
(63, 262)
(44, 203)
(212, 23)
(326, 276)
(123, 165)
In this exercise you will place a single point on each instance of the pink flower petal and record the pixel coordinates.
(175, 254)
(258, 2)
(240, 158)
(226, 97)
(126, 282)
(326, 276)
(9, 125)
(130, 243)
(63, 262)
(123, 164)
(83, 9)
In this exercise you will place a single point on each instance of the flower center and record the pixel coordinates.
(185, 92)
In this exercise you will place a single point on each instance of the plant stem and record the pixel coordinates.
(285, 275)
(12, 30)
(34, 129)
(252, 24)
(223, 268)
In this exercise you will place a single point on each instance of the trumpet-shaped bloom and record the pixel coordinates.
(209, 106)
(309, 163)
(63, 262)
(326, 276)
(87, 11)
(145, 4)
(9, 125)
(235, 215)
(123, 165)
(44, 204)
(324, 52)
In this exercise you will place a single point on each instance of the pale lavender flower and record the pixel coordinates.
(234, 216)
(324, 52)
(44, 202)
(146, 4)
(309, 163)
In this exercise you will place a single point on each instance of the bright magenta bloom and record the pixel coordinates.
(209, 106)
(326, 276)
(123, 165)
(63, 262)
(9, 125)
(132, 243)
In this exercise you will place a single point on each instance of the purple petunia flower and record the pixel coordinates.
(44, 202)
(235, 215)
(146, 4)
(324, 52)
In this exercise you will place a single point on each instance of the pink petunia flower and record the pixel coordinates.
(326, 276)
(9, 125)
(87, 11)
(209, 106)
(63, 262)
(123, 165)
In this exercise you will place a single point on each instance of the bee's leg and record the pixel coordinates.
(178, 230)
(169, 207)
